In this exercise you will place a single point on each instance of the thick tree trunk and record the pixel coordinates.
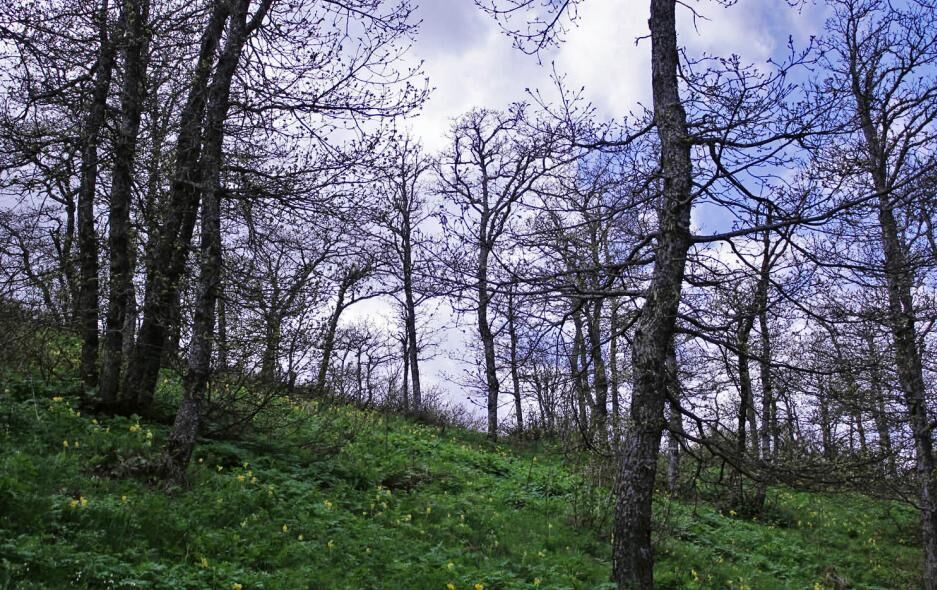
(171, 244)
(185, 429)
(632, 553)
(87, 303)
(133, 94)
(911, 378)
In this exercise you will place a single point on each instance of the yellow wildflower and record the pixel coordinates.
(286, 528)
(83, 501)
(299, 538)
(241, 478)
(450, 566)
(330, 544)
(203, 562)
(73, 504)
(450, 586)
(135, 428)
(77, 444)
(124, 499)
(478, 587)
(327, 504)
(236, 586)
(65, 443)
(58, 398)
(536, 581)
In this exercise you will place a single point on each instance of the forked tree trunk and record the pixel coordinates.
(171, 244)
(632, 553)
(188, 418)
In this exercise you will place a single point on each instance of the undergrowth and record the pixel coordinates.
(323, 496)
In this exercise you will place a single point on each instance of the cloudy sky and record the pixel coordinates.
(471, 63)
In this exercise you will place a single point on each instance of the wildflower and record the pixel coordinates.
(330, 544)
(236, 586)
(219, 468)
(450, 586)
(695, 575)
(201, 459)
(77, 444)
(253, 480)
(536, 581)
(73, 504)
(83, 501)
(429, 509)
(203, 562)
(135, 428)
(450, 566)
(241, 478)
(58, 398)
(733, 513)
(478, 587)
(286, 528)
(124, 499)
(299, 538)
(65, 443)
(327, 504)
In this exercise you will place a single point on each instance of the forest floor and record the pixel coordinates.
(331, 497)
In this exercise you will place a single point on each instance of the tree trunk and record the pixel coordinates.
(674, 424)
(171, 244)
(515, 369)
(632, 553)
(87, 304)
(879, 412)
(613, 370)
(185, 428)
(133, 94)
(410, 311)
(599, 373)
(487, 337)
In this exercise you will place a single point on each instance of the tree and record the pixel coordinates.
(879, 59)
(496, 160)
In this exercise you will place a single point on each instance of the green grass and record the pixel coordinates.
(336, 498)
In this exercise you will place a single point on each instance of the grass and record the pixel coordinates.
(336, 498)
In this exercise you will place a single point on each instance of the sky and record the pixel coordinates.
(471, 63)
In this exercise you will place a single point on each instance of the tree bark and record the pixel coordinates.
(515, 369)
(133, 93)
(171, 244)
(632, 553)
(87, 303)
(486, 335)
(188, 418)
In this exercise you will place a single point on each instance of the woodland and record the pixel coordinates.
(693, 341)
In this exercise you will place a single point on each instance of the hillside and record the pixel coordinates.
(336, 498)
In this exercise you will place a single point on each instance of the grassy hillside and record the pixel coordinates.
(337, 498)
